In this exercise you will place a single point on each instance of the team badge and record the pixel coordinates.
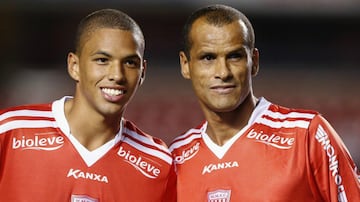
(82, 198)
(220, 195)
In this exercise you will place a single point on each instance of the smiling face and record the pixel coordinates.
(220, 66)
(108, 70)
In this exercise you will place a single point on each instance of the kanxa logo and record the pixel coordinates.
(219, 166)
(274, 140)
(146, 168)
(187, 154)
(79, 174)
(47, 142)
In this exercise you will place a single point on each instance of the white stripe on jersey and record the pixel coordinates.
(149, 151)
(25, 112)
(146, 140)
(286, 123)
(283, 124)
(279, 115)
(185, 141)
(26, 124)
(192, 130)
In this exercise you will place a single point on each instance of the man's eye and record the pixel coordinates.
(132, 63)
(235, 56)
(207, 57)
(101, 60)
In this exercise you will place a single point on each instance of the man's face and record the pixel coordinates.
(220, 65)
(108, 70)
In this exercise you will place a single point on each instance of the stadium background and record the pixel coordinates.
(309, 58)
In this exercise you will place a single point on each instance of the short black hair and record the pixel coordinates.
(106, 18)
(217, 15)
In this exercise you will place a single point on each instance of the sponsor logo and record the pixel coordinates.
(187, 154)
(38, 142)
(219, 195)
(78, 174)
(82, 198)
(144, 167)
(274, 140)
(215, 167)
(323, 138)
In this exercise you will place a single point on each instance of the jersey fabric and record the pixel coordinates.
(282, 154)
(41, 161)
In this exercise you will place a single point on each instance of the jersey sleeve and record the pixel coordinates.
(335, 174)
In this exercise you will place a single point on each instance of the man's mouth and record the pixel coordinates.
(112, 92)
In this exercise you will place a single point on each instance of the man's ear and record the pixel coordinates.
(73, 66)
(143, 72)
(184, 62)
(255, 62)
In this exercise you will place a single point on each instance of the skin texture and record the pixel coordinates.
(109, 59)
(221, 68)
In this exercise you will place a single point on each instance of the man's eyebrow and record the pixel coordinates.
(102, 53)
(134, 56)
(206, 52)
(240, 49)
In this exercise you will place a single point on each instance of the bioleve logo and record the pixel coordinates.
(145, 168)
(274, 140)
(187, 154)
(38, 142)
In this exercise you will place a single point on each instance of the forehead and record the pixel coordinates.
(111, 38)
(205, 32)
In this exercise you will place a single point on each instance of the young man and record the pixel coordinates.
(81, 148)
(250, 149)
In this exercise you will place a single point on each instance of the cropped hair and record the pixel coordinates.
(217, 15)
(106, 18)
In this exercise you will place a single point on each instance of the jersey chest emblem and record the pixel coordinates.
(82, 198)
(220, 195)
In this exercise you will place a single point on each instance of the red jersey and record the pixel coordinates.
(41, 161)
(280, 155)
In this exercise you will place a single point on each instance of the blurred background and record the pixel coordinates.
(309, 58)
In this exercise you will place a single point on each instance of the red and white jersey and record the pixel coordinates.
(41, 161)
(281, 155)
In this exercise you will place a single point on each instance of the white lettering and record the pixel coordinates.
(187, 154)
(272, 140)
(77, 174)
(38, 143)
(144, 167)
(214, 167)
(322, 137)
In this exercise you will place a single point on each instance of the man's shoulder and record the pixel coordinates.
(277, 116)
(26, 117)
(25, 112)
(135, 132)
(191, 135)
(144, 142)
(29, 107)
(288, 110)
